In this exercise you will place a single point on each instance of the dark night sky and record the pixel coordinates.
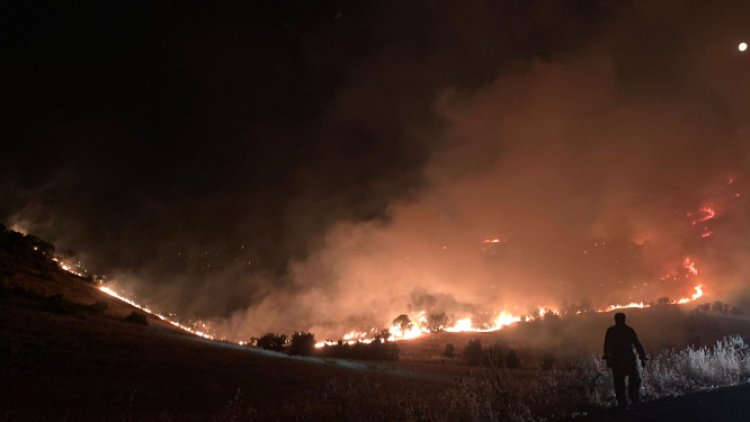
(173, 141)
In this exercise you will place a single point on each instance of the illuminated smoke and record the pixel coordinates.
(598, 175)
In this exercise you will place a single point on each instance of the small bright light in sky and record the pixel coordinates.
(742, 47)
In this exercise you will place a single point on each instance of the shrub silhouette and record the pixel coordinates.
(378, 349)
(582, 307)
(702, 309)
(511, 360)
(303, 344)
(449, 351)
(136, 317)
(272, 341)
(548, 362)
(718, 307)
(551, 316)
(99, 307)
(473, 353)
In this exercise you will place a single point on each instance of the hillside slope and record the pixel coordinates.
(67, 352)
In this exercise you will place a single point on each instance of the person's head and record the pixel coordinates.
(619, 318)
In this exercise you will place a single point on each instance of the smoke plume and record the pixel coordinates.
(447, 159)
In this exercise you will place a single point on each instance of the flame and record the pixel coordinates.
(461, 325)
(67, 267)
(202, 331)
(689, 265)
(503, 319)
(695, 296)
(199, 333)
(704, 213)
(397, 332)
(611, 308)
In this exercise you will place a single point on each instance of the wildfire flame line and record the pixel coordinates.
(131, 302)
(503, 319)
(398, 332)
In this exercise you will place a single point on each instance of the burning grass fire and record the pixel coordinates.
(404, 327)
(298, 199)
(198, 328)
(411, 325)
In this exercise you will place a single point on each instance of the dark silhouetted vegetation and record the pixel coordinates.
(511, 360)
(548, 362)
(403, 322)
(98, 307)
(25, 252)
(718, 307)
(136, 317)
(437, 322)
(582, 307)
(272, 341)
(663, 301)
(473, 353)
(449, 351)
(302, 344)
(40, 246)
(498, 356)
(378, 349)
(551, 316)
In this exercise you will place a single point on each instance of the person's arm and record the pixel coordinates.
(638, 346)
(607, 344)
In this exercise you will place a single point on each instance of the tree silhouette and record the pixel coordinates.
(436, 322)
(303, 344)
(271, 341)
(403, 322)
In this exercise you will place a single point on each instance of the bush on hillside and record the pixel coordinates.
(136, 317)
(473, 353)
(548, 362)
(511, 360)
(303, 344)
(272, 341)
(98, 307)
(449, 351)
(378, 349)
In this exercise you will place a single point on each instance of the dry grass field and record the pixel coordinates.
(69, 352)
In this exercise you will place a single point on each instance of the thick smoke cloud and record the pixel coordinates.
(328, 168)
(586, 191)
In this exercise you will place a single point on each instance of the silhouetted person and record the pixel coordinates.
(618, 351)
